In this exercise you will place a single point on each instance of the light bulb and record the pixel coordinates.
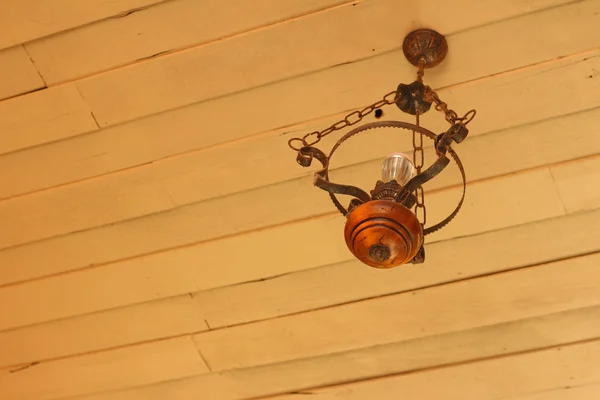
(398, 167)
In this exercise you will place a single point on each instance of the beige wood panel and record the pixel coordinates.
(194, 268)
(164, 28)
(105, 371)
(578, 184)
(297, 292)
(150, 188)
(514, 295)
(497, 379)
(583, 392)
(447, 261)
(197, 74)
(103, 330)
(174, 25)
(145, 140)
(41, 117)
(376, 361)
(17, 73)
(25, 20)
(554, 140)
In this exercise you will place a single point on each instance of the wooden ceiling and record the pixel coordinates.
(160, 242)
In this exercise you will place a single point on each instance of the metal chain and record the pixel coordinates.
(451, 115)
(419, 161)
(350, 119)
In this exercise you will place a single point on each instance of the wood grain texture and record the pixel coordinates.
(300, 292)
(153, 31)
(142, 141)
(393, 358)
(18, 75)
(503, 378)
(192, 76)
(184, 23)
(447, 261)
(43, 116)
(111, 370)
(555, 140)
(582, 392)
(520, 294)
(576, 183)
(103, 330)
(25, 20)
(189, 269)
(183, 180)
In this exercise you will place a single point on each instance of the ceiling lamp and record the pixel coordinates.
(386, 227)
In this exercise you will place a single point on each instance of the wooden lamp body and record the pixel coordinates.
(383, 234)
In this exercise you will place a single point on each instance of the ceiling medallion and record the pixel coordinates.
(386, 227)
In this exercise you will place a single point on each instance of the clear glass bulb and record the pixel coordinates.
(398, 167)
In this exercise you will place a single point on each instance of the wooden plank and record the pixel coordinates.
(105, 371)
(260, 109)
(103, 330)
(218, 69)
(393, 358)
(180, 271)
(497, 379)
(17, 73)
(41, 117)
(514, 295)
(184, 179)
(574, 183)
(25, 20)
(343, 282)
(173, 25)
(555, 140)
(583, 392)
(164, 28)
(447, 261)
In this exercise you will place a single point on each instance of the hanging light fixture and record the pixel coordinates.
(386, 227)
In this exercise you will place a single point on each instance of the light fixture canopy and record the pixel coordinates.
(386, 227)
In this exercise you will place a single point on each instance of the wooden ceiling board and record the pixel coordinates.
(160, 242)
(43, 116)
(503, 378)
(507, 299)
(140, 142)
(555, 141)
(144, 322)
(166, 27)
(344, 282)
(110, 370)
(18, 75)
(159, 187)
(344, 34)
(167, 274)
(377, 361)
(25, 20)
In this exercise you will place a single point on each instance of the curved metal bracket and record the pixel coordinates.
(457, 133)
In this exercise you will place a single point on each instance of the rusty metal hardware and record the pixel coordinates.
(425, 46)
(382, 230)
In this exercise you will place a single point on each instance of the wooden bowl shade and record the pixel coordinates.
(383, 234)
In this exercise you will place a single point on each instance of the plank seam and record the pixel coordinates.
(35, 67)
(192, 334)
(200, 353)
(199, 45)
(255, 230)
(560, 197)
(437, 367)
(257, 136)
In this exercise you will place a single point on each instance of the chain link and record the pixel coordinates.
(451, 115)
(419, 161)
(351, 119)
